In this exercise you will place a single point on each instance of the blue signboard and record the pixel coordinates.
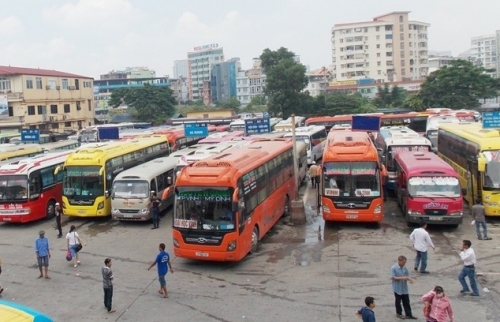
(365, 123)
(194, 130)
(257, 126)
(491, 120)
(108, 133)
(30, 136)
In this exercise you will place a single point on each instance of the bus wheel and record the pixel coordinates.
(51, 210)
(255, 240)
(286, 211)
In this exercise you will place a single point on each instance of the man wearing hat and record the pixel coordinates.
(42, 253)
(58, 218)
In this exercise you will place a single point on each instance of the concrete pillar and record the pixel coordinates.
(298, 212)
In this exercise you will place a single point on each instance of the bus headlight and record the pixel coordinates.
(414, 213)
(100, 205)
(143, 211)
(456, 213)
(326, 209)
(114, 211)
(378, 209)
(231, 246)
(176, 243)
(491, 204)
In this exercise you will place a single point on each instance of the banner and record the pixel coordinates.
(4, 106)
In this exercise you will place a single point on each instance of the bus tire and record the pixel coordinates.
(50, 212)
(255, 240)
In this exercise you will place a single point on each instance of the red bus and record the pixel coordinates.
(29, 188)
(351, 181)
(428, 189)
(226, 203)
(415, 121)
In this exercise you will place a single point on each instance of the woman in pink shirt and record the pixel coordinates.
(440, 306)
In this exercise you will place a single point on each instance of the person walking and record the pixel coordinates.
(155, 210)
(469, 258)
(59, 213)
(366, 313)
(437, 306)
(400, 278)
(421, 240)
(479, 216)
(107, 284)
(313, 173)
(42, 251)
(72, 241)
(162, 260)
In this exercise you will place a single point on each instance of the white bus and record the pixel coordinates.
(394, 139)
(432, 126)
(314, 136)
(133, 189)
(286, 125)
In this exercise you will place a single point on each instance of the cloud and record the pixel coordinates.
(11, 27)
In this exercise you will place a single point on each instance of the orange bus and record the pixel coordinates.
(177, 139)
(226, 203)
(351, 181)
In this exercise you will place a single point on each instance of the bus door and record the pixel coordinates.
(472, 179)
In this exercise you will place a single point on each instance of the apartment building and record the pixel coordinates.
(47, 100)
(200, 63)
(389, 48)
(180, 68)
(250, 83)
(438, 62)
(223, 79)
(484, 52)
(318, 81)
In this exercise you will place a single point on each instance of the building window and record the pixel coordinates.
(89, 104)
(378, 54)
(67, 124)
(4, 84)
(379, 72)
(403, 72)
(31, 110)
(378, 46)
(402, 62)
(66, 108)
(400, 18)
(29, 83)
(377, 28)
(402, 45)
(55, 125)
(39, 84)
(379, 63)
(87, 84)
(78, 106)
(65, 83)
(77, 84)
(401, 28)
(53, 109)
(40, 109)
(401, 36)
(52, 83)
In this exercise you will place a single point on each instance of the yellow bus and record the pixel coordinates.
(474, 152)
(89, 172)
(10, 151)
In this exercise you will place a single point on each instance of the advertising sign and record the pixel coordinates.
(365, 123)
(491, 120)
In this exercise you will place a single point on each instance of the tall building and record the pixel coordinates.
(200, 63)
(223, 79)
(47, 100)
(250, 83)
(484, 52)
(181, 68)
(389, 48)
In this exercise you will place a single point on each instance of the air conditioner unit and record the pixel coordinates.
(64, 117)
(52, 118)
(47, 87)
(71, 87)
(58, 87)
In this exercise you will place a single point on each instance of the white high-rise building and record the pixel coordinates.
(250, 83)
(181, 68)
(484, 52)
(390, 48)
(200, 63)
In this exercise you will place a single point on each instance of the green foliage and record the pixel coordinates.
(338, 103)
(230, 103)
(414, 102)
(459, 85)
(390, 97)
(284, 83)
(257, 104)
(152, 103)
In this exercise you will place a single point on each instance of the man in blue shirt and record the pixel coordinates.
(366, 313)
(162, 260)
(400, 276)
(42, 253)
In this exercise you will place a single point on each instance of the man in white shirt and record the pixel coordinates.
(421, 240)
(469, 257)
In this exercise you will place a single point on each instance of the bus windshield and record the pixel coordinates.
(434, 187)
(13, 187)
(130, 189)
(394, 149)
(351, 179)
(81, 182)
(204, 208)
(492, 170)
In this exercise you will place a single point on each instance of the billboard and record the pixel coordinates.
(365, 123)
(4, 106)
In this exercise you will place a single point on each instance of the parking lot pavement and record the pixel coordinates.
(316, 272)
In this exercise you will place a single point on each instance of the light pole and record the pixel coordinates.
(298, 212)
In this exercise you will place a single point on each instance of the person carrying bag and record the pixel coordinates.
(74, 242)
(437, 306)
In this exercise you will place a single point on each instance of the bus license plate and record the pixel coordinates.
(82, 211)
(201, 254)
(351, 216)
(128, 216)
(435, 218)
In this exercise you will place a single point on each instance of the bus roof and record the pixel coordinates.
(218, 137)
(225, 168)
(487, 139)
(348, 145)
(423, 164)
(306, 130)
(60, 145)
(27, 165)
(149, 169)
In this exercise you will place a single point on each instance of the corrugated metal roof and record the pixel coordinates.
(9, 70)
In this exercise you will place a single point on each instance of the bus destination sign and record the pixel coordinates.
(30, 136)
(194, 130)
(257, 126)
(491, 120)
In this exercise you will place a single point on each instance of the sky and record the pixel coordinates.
(93, 37)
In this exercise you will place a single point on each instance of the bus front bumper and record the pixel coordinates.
(435, 220)
(136, 216)
(207, 255)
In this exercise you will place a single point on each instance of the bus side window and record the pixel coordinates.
(152, 185)
(161, 183)
(34, 184)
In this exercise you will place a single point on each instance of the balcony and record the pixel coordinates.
(12, 96)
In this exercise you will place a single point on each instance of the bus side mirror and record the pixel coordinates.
(234, 206)
(169, 180)
(481, 163)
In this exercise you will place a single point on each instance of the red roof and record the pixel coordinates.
(8, 70)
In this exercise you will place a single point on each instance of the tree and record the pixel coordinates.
(229, 103)
(414, 102)
(390, 97)
(152, 103)
(337, 103)
(285, 79)
(459, 85)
